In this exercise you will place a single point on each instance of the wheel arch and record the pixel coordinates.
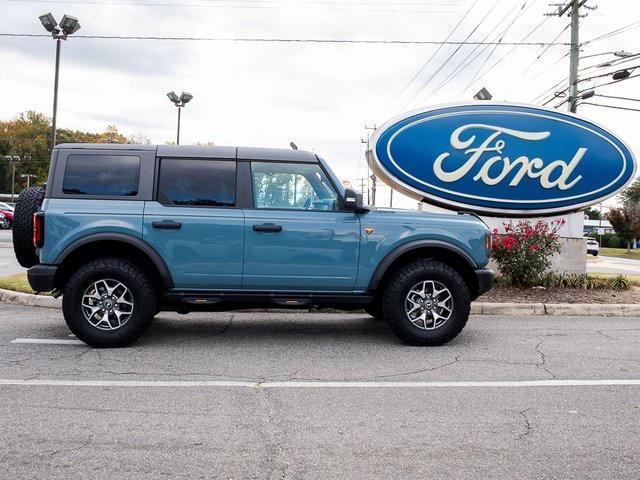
(113, 244)
(445, 252)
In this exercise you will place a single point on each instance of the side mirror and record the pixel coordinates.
(353, 201)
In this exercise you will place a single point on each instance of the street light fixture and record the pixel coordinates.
(28, 176)
(179, 102)
(68, 25)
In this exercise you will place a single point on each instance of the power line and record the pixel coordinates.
(403, 89)
(610, 106)
(464, 64)
(486, 60)
(439, 69)
(613, 63)
(531, 64)
(286, 40)
(360, 7)
(618, 98)
(612, 33)
(497, 62)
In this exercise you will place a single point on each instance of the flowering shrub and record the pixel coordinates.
(524, 251)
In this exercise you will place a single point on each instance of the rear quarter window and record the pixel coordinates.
(109, 175)
(197, 183)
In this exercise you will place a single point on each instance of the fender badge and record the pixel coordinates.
(369, 230)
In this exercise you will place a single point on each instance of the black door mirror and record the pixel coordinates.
(353, 201)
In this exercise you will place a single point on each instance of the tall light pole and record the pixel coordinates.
(179, 102)
(13, 160)
(68, 25)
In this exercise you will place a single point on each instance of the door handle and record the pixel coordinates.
(167, 225)
(267, 227)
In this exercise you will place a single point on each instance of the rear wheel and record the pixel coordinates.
(28, 203)
(109, 302)
(426, 303)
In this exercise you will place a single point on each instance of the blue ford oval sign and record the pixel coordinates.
(501, 159)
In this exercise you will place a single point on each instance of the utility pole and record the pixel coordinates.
(372, 177)
(574, 59)
(575, 56)
(391, 199)
(373, 190)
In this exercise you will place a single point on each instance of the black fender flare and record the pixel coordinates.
(397, 252)
(147, 249)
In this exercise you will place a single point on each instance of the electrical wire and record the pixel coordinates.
(618, 98)
(497, 62)
(448, 59)
(612, 33)
(433, 55)
(610, 106)
(614, 63)
(283, 40)
(466, 62)
(486, 60)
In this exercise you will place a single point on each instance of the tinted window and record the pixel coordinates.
(204, 183)
(115, 175)
(292, 186)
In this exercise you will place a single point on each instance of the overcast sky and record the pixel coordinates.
(318, 95)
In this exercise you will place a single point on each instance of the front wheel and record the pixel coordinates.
(6, 224)
(109, 302)
(426, 303)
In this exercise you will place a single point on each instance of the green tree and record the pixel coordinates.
(592, 213)
(28, 135)
(626, 222)
(631, 194)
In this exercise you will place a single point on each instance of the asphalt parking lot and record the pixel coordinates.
(255, 395)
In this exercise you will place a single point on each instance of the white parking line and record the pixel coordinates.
(317, 384)
(49, 341)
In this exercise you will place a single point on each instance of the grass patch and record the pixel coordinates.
(17, 283)
(634, 280)
(620, 253)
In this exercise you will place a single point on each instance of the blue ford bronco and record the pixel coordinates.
(126, 231)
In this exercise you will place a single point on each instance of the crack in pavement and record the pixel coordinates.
(543, 358)
(276, 462)
(523, 414)
(601, 332)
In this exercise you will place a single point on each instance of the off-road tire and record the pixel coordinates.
(28, 203)
(399, 285)
(134, 278)
(375, 309)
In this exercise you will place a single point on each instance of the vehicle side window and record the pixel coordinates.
(112, 175)
(292, 186)
(197, 183)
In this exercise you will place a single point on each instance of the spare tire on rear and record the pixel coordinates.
(28, 203)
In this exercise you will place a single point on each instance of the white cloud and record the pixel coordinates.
(260, 94)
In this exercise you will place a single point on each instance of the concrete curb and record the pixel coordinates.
(29, 300)
(477, 308)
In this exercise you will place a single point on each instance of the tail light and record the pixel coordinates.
(38, 229)
(487, 244)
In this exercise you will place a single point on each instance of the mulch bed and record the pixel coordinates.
(559, 295)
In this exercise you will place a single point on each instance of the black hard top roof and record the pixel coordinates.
(190, 151)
